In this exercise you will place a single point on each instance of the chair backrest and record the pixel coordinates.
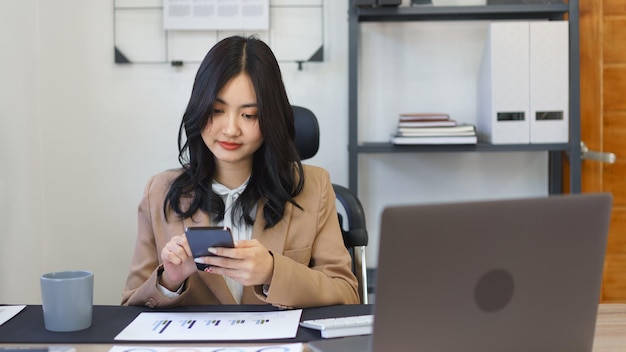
(354, 233)
(307, 132)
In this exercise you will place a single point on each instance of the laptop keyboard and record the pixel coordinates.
(341, 326)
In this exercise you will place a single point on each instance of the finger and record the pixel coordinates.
(247, 244)
(225, 252)
(240, 276)
(182, 241)
(177, 247)
(243, 249)
(223, 262)
(168, 255)
(220, 271)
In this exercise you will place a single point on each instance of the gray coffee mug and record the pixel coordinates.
(67, 300)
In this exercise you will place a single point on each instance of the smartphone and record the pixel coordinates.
(201, 238)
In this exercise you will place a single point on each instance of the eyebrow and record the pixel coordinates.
(249, 105)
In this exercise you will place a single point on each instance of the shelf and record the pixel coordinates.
(558, 153)
(449, 13)
(385, 147)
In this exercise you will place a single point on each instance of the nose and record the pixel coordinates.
(231, 128)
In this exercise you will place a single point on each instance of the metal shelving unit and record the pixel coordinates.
(557, 152)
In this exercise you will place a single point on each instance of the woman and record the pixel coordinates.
(240, 169)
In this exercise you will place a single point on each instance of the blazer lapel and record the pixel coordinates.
(273, 238)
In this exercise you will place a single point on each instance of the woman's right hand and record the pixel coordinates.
(178, 263)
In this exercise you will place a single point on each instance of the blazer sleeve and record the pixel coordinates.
(145, 266)
(328, 278)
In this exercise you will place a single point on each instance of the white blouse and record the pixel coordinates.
(240, 229)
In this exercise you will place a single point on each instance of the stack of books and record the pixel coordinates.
(432, 128)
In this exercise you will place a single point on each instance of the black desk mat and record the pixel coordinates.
(108, 321)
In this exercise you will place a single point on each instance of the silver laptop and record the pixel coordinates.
(508, 275)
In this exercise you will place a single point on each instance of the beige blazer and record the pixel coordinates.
(311, 263)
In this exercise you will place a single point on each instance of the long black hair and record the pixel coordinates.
(277, 173)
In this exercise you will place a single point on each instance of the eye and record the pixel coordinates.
(217, 111)
(249, 116)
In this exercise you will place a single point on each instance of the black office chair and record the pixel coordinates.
(355, 236)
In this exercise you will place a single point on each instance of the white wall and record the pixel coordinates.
(21, 221)
(80, 135)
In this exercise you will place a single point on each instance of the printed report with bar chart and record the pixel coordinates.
(212, 326)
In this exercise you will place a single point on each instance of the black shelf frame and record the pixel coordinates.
(456, 13)
(384, 147)
(556, 152)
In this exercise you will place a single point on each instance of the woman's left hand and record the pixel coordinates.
(249, 263)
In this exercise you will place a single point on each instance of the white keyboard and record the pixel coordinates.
(342, 326)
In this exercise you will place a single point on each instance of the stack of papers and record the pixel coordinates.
(432, 128)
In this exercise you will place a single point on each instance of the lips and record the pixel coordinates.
(229, 145)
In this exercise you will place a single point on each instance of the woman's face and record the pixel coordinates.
(233, 133)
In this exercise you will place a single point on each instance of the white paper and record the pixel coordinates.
(8, 312)
(216, 14)
(212, 326)
(293, 347)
